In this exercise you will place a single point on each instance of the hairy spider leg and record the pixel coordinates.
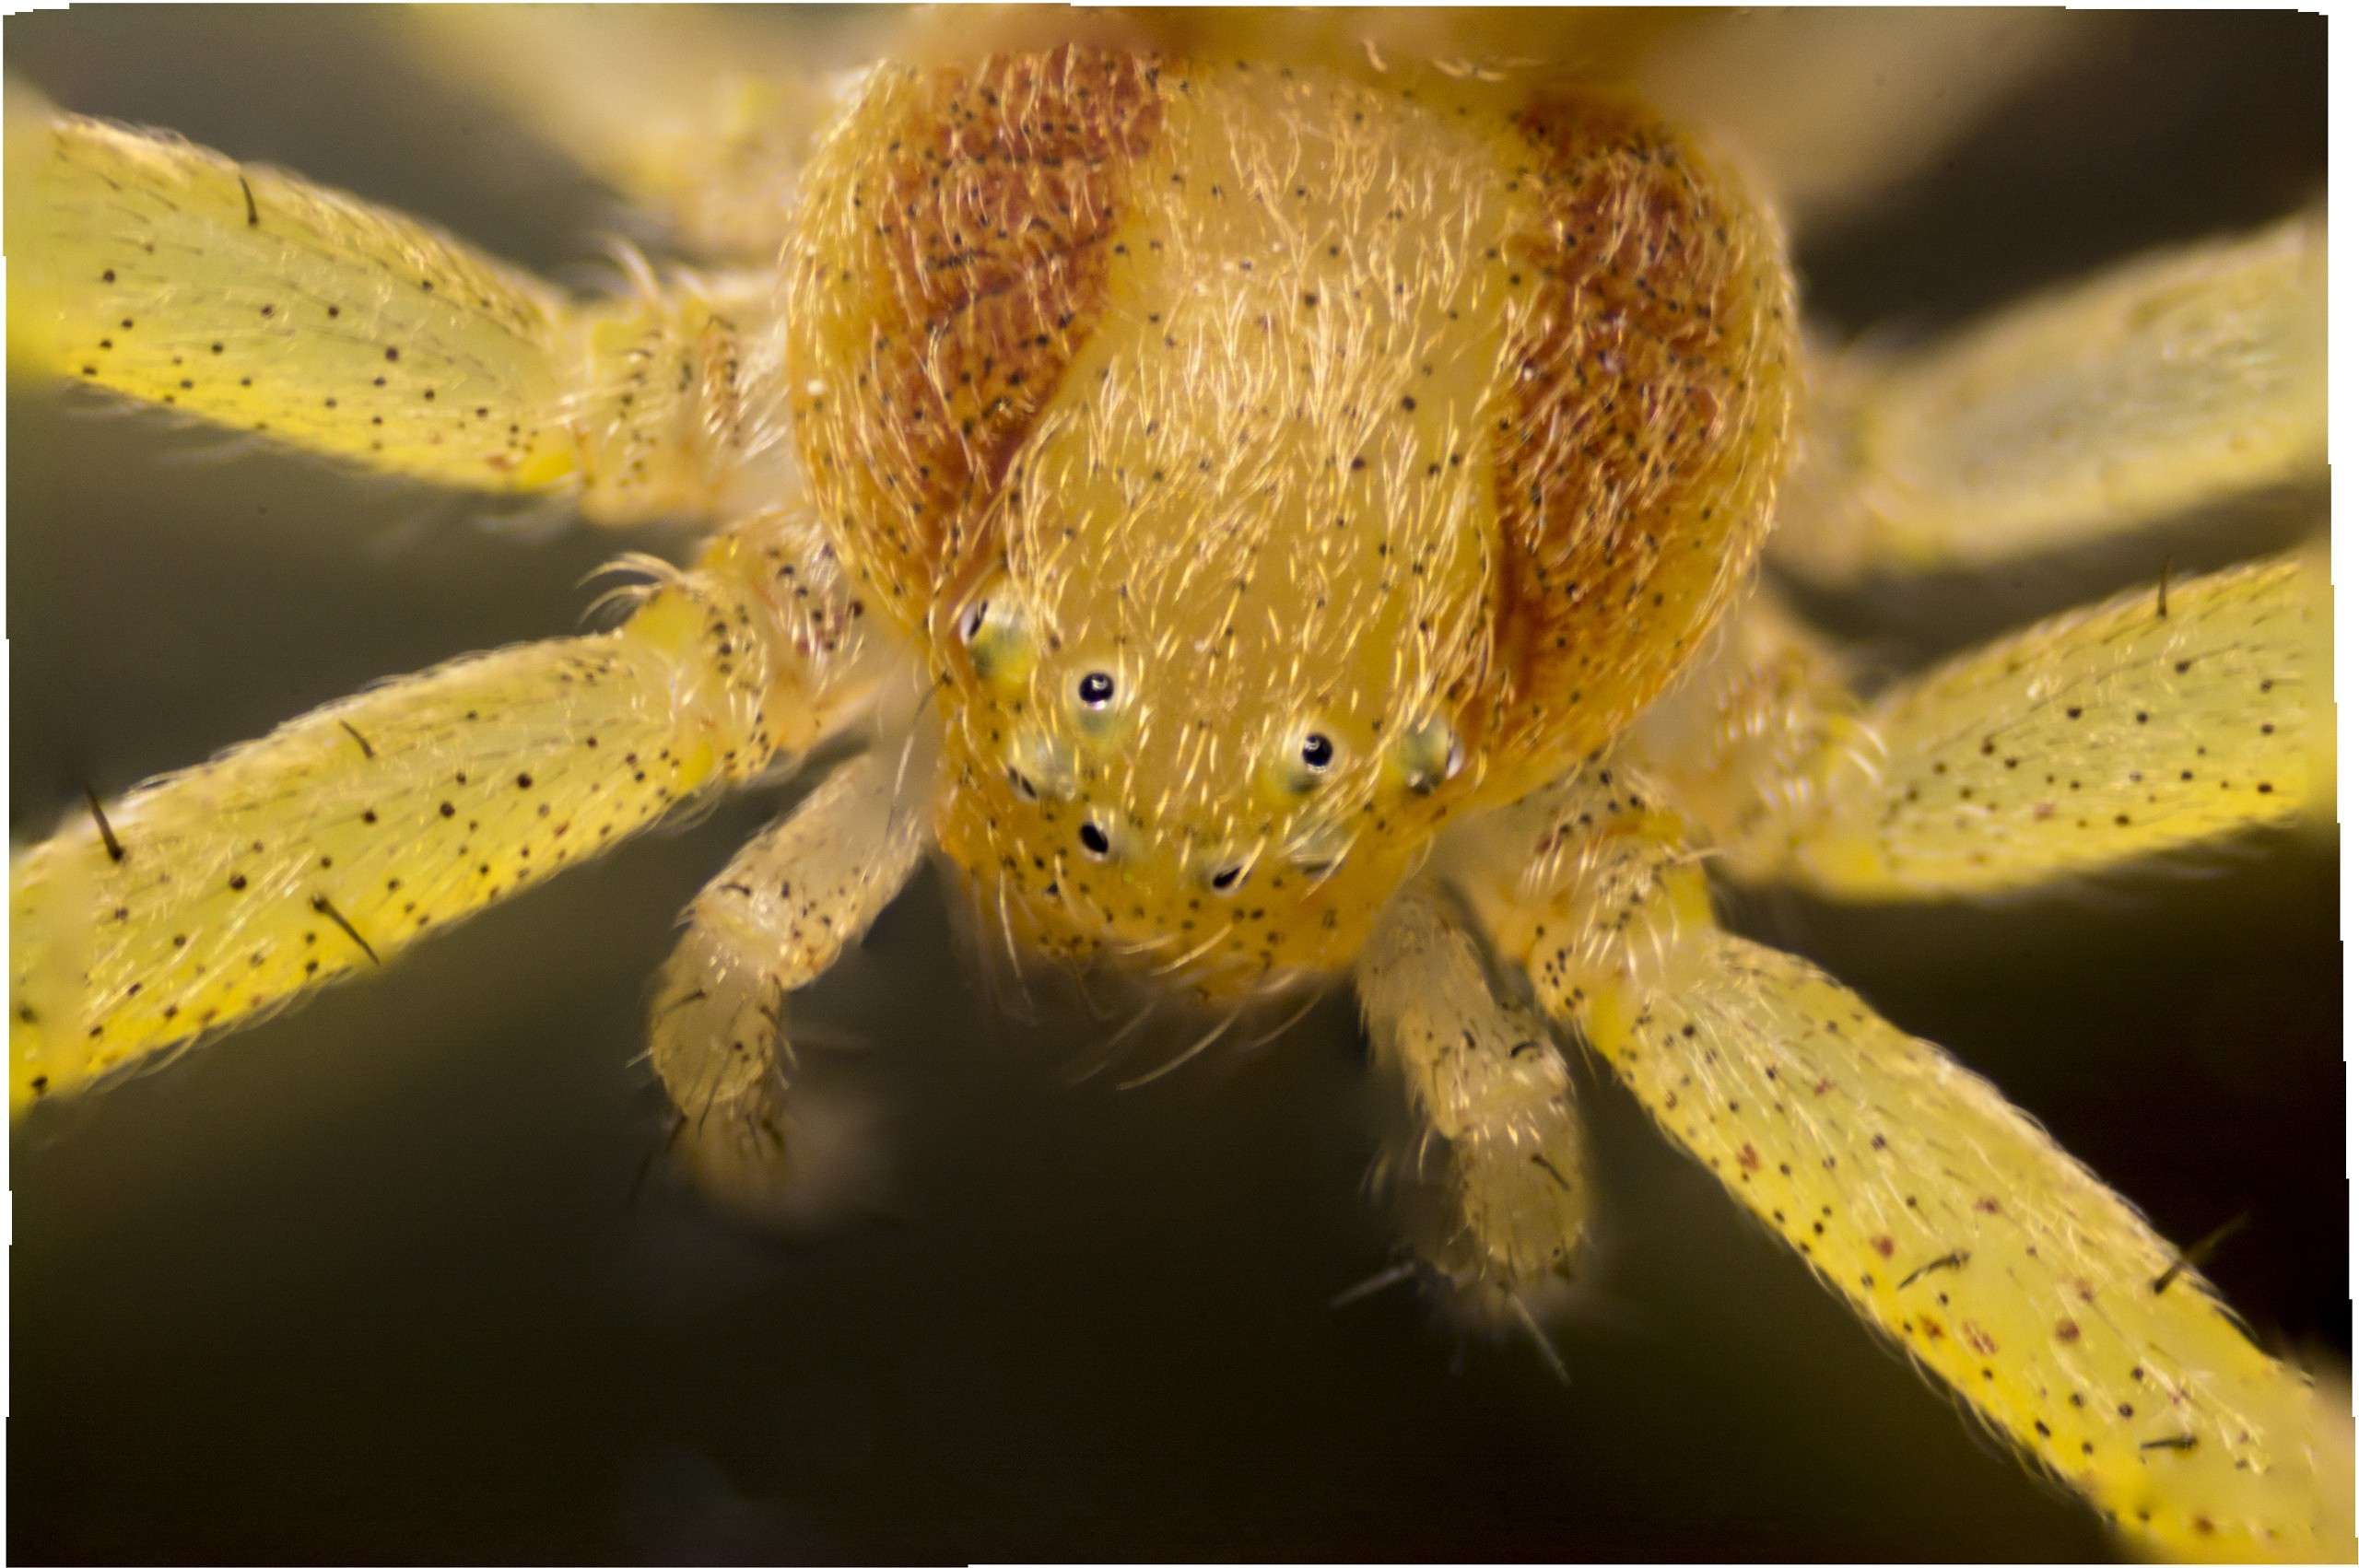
(208, 896)
(2165, 716)
(776, 919)
(251, 298)
(1941, 1214)
(1492, 1176)
(2183, 378)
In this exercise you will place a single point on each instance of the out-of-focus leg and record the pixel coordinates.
(203, 900)
(1945, 1217)
(2173, 714)
(2185, 377)
(249, 298)
(701, 114)
(1492, 1174)
(774, 921)
(1836, 107)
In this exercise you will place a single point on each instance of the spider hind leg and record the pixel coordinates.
(2172, 384)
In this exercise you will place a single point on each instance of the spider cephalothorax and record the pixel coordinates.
(1277, 465)
(1279, 512)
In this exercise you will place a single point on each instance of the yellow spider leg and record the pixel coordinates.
(249, 298)
(2172, 714)
(207, 896)
(670, 105)
(774, 921)
(1494, 1175)
(1940, 1213)
(1794, 87)
(2179, 379)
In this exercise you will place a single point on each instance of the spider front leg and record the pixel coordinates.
(1945, 1216)
(2165, 717)
(2174, 381)
(775, 919)
(252, 299)
(210, 896)
(1492, 1175)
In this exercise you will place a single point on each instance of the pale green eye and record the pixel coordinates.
(998, 635)
(1319, 848)
(1040, 767)
(1428, 756)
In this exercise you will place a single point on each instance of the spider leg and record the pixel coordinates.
(2170, 715)
(207, 896)
(1492, 1174)
(2188, 377)
(1942, 1214)
(251, 298)
(776, 919)
(671, 106)
(1795, 87)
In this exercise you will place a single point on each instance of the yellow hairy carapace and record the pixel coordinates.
(1282, 513)
(1273, 467)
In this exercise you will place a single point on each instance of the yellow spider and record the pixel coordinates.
(1271, 501)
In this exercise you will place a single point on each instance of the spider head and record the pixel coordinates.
(1213, 746)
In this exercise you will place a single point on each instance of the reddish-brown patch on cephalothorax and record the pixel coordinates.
(1653, 390)
(948, 261)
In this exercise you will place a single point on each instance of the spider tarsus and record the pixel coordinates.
(115, 851)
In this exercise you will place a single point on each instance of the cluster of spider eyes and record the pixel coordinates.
(996, 647)
(1316, 751)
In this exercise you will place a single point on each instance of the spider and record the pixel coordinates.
(1196, 811)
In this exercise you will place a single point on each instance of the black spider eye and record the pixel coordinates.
(1318, 750)
(1093, 838)
(1225, 879)
(1096, 689)
(972, 627)
(1024, 786)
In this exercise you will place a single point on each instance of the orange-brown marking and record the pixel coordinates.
(1653, 398)
(952, 262)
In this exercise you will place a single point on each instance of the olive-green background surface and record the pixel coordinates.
(378, 1280)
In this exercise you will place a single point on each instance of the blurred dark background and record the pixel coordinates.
(380, 1281)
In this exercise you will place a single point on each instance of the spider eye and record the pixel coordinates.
(997, 636)
(1093, 839)
(1318, 750)
(1096, 689)
(1225, 880)
(1022, 786)
(1430, 756)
